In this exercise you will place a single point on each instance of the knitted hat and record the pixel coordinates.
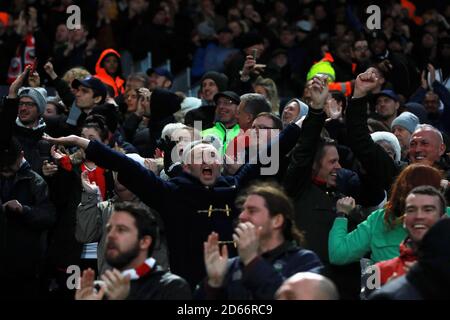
(389, 138)
(36, 96)
(406, 120)
(418, 110)
(321, 67)
(220, 79)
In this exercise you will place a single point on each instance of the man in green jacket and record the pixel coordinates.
(225, 128)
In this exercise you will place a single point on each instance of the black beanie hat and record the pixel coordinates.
(164, 103)
(109, 113)
(250, 39)
(220, 79)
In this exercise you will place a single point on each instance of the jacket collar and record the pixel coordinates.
(41, 125)
(187, 178)
(273, 254)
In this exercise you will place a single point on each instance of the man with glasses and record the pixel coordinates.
(361, 55)
(265, 128)
(26, 107)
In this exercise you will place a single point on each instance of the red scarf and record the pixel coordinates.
(142, 270)
(25, 54)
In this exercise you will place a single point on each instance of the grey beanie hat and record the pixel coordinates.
(406, 120)
(36, 96)
(389, 138)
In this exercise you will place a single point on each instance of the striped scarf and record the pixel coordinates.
(142, 270)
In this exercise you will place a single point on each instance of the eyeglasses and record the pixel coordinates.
(26, 104)
(261, 127)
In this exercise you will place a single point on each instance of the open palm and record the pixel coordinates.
(215, 261)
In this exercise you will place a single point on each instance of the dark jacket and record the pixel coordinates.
(23, 236)
(397, 289)
(35, 149)
(440, 120)
(315, 204)
(380, 169)
(159, 285)
(190, 211)
(262, 277)
(205, 113)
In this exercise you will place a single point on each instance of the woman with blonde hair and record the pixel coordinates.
(268, 89)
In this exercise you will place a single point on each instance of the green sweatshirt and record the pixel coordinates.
(371, 235)
(223, 134)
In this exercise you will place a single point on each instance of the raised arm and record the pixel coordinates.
(9, 108)
(375, 161)
(61, 86)
(139, 180)
(302, 158)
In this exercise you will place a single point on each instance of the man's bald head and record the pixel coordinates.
(307, 286)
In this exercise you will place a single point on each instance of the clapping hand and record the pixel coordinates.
(87, 290)
(215, 260)
(117, 286)
(247, 237)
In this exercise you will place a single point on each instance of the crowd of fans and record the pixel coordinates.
(315, 150)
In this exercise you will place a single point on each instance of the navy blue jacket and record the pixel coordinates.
(262, 277)
(184, 202)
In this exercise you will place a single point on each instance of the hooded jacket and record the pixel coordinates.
(117, 83)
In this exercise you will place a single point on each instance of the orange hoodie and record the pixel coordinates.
(101, 74)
